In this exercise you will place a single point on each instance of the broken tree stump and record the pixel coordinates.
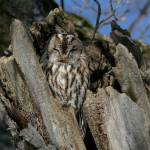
(117, 116)
(116, 122)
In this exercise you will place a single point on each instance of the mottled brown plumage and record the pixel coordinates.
(66, 66)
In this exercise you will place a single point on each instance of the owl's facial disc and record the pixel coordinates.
(66, 48)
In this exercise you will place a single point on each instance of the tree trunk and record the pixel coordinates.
(117, 108)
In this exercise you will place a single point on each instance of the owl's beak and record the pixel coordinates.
(64, 59)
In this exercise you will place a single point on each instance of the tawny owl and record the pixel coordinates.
(66, 67)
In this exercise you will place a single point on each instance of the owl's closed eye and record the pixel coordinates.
(65, 48)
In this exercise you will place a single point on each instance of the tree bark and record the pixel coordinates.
(117, 108)
(53, 116)
(116, 122)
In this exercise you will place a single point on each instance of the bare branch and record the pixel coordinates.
(112, 9)
(81, 7)
(123, 14)
(86, 5)
(111, 15)
(62, 4)
(146, 36)
(97, 20)
(144, 30)
(140, 16)
(118, 17)
(76, 3)
(98, 24)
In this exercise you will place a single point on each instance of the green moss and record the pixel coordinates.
(81, 34)
(82, 26)
(147, 52)
(79, 20)
(145, 49)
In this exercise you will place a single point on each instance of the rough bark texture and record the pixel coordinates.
(117, 106)
(129, 77)
(116, 122)
(123, 36)
(54, 117)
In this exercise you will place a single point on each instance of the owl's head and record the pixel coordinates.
(65, 48)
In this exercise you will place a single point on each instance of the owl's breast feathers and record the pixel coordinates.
(69, 82)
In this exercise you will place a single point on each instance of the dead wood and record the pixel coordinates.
(115, 121)
(123, 36)
(129, 78)
(53, 116)
(117, 116)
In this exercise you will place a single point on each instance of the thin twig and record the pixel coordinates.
(81, 6)
(140, 16)
(146, 36)
(118, 17)
(85, 5)
(62, 4)
(76, 3)
(97, 20)
(112, 9)
(111, 15)
(98, 24)
(144, 30)
(104, 20)
(123, 13)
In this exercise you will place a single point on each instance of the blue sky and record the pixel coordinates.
(135, 6)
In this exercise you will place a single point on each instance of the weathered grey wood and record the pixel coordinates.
(31, 136)
(18, 103)
(129, 78)
(122, 36)
(60, 124)
(116, 122)
(14, 85)
(6, 141)
(55, 22)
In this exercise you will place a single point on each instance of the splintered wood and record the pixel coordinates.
(115, 121)
(61, 125)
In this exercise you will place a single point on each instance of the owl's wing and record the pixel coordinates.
(44, 61)
(82, 122)
(45, 56)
